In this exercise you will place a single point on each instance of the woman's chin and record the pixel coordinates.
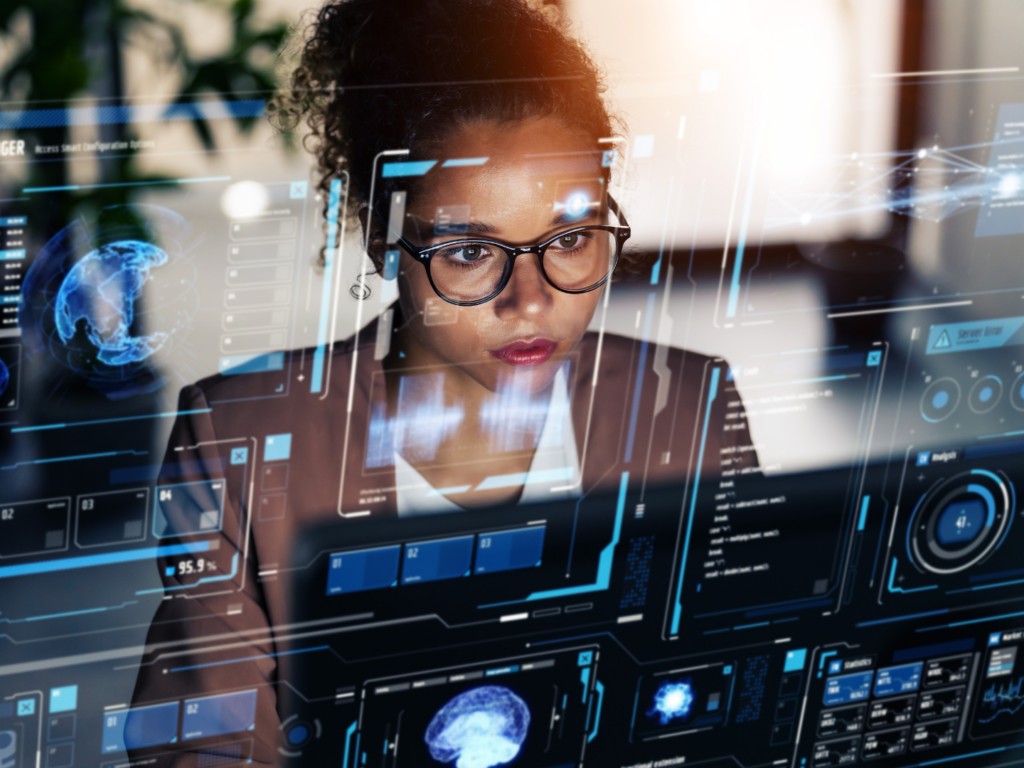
(524, 379)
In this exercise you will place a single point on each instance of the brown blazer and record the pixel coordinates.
(651, 433)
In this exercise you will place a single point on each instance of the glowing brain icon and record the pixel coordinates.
(480, 728)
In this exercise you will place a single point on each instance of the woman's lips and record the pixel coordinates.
(525, 352)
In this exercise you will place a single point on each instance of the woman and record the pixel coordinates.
(474, 141)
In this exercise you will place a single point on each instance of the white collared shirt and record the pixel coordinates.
(554, 471)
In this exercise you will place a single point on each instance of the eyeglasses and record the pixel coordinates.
(473, 271)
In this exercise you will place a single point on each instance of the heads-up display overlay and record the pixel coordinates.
(500, 383)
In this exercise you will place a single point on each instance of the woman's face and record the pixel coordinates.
(525, 333)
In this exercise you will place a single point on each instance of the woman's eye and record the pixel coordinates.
(568, 241)
(464, 253)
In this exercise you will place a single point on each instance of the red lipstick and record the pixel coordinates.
(525, 352)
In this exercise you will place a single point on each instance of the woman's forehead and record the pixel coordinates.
(536, 171)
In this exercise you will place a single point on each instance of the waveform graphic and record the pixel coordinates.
(1002, 700)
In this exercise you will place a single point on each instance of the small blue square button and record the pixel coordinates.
(922, 458)
(278, 447)
(64, 699)
(874, 358)
(586, 658)
(994, 638)
(239, 455)
(169, 570)
(795, 660)
(298, 190)
(26, 707)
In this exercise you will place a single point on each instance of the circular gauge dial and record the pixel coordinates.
(960, 521)
(940, 399)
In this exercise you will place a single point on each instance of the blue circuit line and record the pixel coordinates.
(330, 256)
(631, 435)
(250, 658)
(604, 562)
(74, 187)
(111, 421)
(677, 611)
(110, 558)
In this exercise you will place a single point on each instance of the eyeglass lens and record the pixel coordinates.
(470, 271)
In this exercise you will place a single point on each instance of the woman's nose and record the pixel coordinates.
(528, 294)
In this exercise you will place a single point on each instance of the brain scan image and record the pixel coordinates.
(100, 291)
(479, 728)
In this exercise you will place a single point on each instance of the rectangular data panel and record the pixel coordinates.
(833, 723)
(879, 744)
(828, 754)
(363, 569)
(243, 298)
(843, 689)
(901, 679)
(34, 527)
(115, 517)
(218, 715)
(680, 700)
(889, 712)
(183, 509)
(264, 229)
(247, 253)
(254, 319)
(945, 703)
(931, 735)
(754, 544)
(509, 550)
(947, 671)
(262, 274)
(435, 560)
(550, 704)
(140, 727)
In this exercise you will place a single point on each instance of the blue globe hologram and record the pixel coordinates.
(101, 291)
(109, 299)
(480, 728)
(5, 377)
(673, 700)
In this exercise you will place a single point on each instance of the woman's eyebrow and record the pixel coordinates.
(479, 228)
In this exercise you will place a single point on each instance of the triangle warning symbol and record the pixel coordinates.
(942, 342)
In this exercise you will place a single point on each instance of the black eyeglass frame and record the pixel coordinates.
(425, 255)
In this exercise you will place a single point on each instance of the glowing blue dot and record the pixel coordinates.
(480, 728)
(298, 734)
(577, 204)
(940, 399)
(673, 700)
(985, 395)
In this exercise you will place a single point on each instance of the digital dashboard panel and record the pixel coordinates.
(734, 546)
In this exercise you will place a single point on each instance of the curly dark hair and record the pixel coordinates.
(375, 75)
